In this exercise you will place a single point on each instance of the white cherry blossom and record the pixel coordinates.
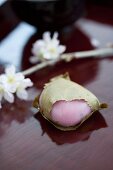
(21, 91)
(47, 48)
(11, 78)
(12, 82)
(5, 94)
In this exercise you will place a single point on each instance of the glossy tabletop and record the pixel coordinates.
(27, 140)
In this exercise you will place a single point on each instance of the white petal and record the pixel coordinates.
(55, 36)
(46, 36)
(12, 88)
(36, 46)
(3, 78)
(10, 70)
(19, 76)
(47, 56)
(55, 43)
(27, 83)
(22, 94)
(9, 97)
(61, 49)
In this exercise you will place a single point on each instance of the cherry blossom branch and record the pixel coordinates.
(38, 67)
(103, 52)
(69, 56)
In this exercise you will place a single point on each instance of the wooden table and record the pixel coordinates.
(27, 141)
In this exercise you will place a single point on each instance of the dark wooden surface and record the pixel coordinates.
(27, 141)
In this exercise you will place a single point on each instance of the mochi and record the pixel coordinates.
(66, 104)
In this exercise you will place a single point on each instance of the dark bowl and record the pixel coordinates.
(48, 14)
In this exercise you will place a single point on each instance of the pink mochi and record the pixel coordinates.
(69, 113)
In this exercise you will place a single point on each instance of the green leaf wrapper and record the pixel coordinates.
(62, 88)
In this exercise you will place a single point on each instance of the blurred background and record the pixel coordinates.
(82, 25)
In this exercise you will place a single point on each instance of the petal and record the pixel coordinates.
(22, 94)
(61, 49)
(3, 78)
(37, 45)
(27, 83)
(55, 35)
(19, 76)
(10, 70)
(11, 87)
(55, 42)
(46, 36)
(9, 97)
(47, 56)
(24, 84)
